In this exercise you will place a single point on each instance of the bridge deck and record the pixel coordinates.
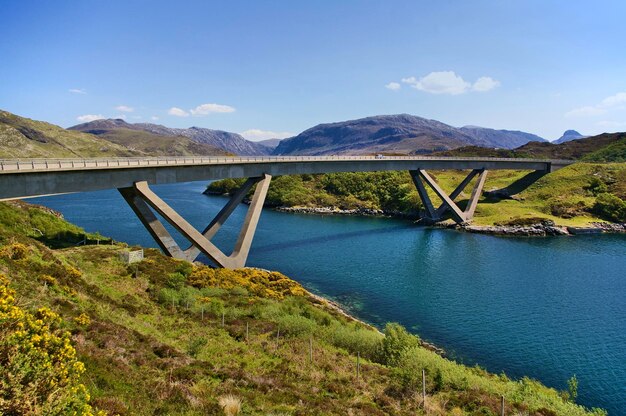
(36, 177)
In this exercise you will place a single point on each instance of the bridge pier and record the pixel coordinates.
(143, 200)
(421, 178)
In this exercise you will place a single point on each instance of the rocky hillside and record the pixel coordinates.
(394, 134)
(226, 141)
(120, 132)
(25, 138)
(569, 135)
(502, 139)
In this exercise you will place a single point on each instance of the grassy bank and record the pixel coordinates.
(576, 195)
(168, 337)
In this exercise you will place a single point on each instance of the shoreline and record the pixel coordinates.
(542, 228)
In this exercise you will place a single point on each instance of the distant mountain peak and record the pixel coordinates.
(569, 135)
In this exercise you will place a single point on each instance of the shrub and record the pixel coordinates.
(610, 207)
(196, 345)
(295, 325)
(39, 370)
(396, 341)
(355, 339)
(175, 280)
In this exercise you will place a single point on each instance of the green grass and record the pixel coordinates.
(564, 196)
(146, 355)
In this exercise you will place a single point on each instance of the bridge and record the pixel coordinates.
(132, 176)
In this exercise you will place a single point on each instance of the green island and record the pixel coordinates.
(577, 195)
(82, 332)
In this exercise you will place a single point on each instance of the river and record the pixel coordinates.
(547, 308)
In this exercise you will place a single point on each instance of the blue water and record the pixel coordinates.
(543, 307)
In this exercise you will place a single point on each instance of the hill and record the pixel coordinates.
(118, 131)
(25, 138)
(164, 336)
(505, 139)
(569, 135)
(607, 147)
(394, 134)
(270, 143)
(226, 141)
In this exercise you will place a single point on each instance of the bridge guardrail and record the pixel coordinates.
(18, 165)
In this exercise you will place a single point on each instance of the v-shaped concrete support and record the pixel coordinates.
(420, 176)
(141, 199)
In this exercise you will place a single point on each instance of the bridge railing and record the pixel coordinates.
(12, 165)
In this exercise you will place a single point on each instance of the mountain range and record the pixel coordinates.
(217, 139)
(401, 134)
(396, 134)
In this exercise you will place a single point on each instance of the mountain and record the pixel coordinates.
(569, 135)
(21, 137)
(394, 134)
(502, 139)
(230, 142)
(128, 135)
(270, 143)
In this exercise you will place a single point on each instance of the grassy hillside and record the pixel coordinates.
(169, 337)
(154, 144)
(24, 138)
(576, 195)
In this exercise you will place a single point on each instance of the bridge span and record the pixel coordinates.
(132, 176)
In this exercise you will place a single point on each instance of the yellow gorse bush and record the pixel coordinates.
(39, 371)
(259, 282)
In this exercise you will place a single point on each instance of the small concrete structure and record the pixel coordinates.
(131, 176)
(130, 257)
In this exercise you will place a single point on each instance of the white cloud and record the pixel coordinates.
(77, 91)
(155, 118)
(448, 82)
(614, 102)
(587, 111)
(256, 134)
(178, 112)
(204, 109)
(484, 84)
(394, 86)
(611, 124)
(125, 108)
(89, 117)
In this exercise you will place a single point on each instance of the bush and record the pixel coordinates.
(397, 340)
(610, 207)
(295, 325)
(355, 339)
(175, 280)
(38, 365)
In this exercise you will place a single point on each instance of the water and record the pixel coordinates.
(543, 307)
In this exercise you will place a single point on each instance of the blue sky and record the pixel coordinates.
(271, 68)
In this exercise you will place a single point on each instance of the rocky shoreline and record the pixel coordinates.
(542, 228)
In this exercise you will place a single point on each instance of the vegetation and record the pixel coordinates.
(576, 195)
(607, 147)
(168, 337)
(24, 138)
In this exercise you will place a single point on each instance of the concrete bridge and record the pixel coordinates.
(132, 176)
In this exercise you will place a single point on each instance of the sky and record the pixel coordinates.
(275, 68)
